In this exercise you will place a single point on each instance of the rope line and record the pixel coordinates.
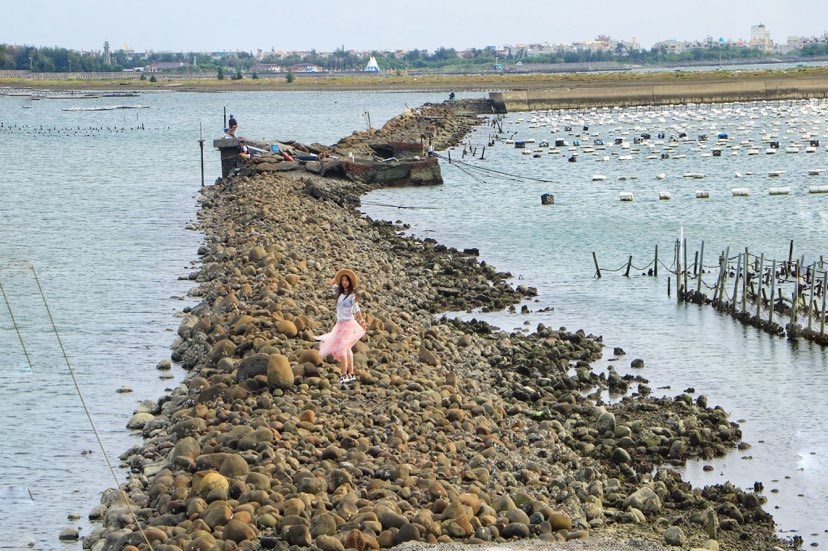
(397, 206)
(518, 177)
(16, 328)
(86, 409)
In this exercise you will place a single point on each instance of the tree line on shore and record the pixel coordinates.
(55, 59)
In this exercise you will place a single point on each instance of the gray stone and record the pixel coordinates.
(138, 420)
(606, 422)
(69, 534)
(312, 485)
(323, 525)
(329, 543)
(516, 530)
(645, 500)
(674, 536)
(298, 534)
(620, 455)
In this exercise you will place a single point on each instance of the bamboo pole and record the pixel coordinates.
(701, 269)
(824, 292)
(744, 281)
(724, 275)
(736, 283)
(655, 263)
(678, 267)
(597, 269)
(718, 279)
(790, 260)
(811, 295)
(795, 302)
(761, 283)
(772, 289)
(684, 244)
(696, 263)
(629, 265)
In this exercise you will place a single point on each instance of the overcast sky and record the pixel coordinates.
(212, 25)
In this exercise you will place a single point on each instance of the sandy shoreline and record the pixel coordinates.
(453, 432)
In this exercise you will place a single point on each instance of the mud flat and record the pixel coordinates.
(453, 433)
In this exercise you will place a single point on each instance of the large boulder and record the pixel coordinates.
(644, 499)
(279, 372)
(252, 366)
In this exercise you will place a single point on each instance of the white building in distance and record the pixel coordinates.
(372, 66)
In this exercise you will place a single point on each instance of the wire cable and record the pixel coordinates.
(16, 328)
(86, 409)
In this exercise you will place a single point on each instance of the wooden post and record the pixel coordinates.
(669, 281)
(655, 263)
(811, 295)
(744, 281)
(677, 259)
(719, 278)
(772, 297)
(597, 269)
(701, 269)
(684, 286)
(629, 265)
(201, 146)
(795, 301)
(483, 153)
(761, 290)
(696, 263)
(824, 292)
(790, 260)
(736, 283)
(724, 275)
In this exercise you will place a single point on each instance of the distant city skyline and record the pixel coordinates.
(326, 25)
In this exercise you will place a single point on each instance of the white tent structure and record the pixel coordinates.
(372, 66)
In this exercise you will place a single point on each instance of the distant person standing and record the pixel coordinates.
(232, 124)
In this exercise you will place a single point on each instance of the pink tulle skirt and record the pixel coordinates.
(345, 334)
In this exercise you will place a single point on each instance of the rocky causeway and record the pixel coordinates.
(454, 433)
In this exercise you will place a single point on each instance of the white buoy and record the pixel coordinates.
(776, 173)
(664, 195)
(740, 192)
(779, 191)
(738, 175)
(818, 189)
(701, 194)
(660, 176)
(816, 172)
(625, 196)
(598, 177)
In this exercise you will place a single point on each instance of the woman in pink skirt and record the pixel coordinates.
(347, 330)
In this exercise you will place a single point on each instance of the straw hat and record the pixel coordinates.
(351, 275)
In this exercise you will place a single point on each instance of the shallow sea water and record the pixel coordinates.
(99, 208)
(775, 389)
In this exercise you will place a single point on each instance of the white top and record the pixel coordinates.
(346, 305)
